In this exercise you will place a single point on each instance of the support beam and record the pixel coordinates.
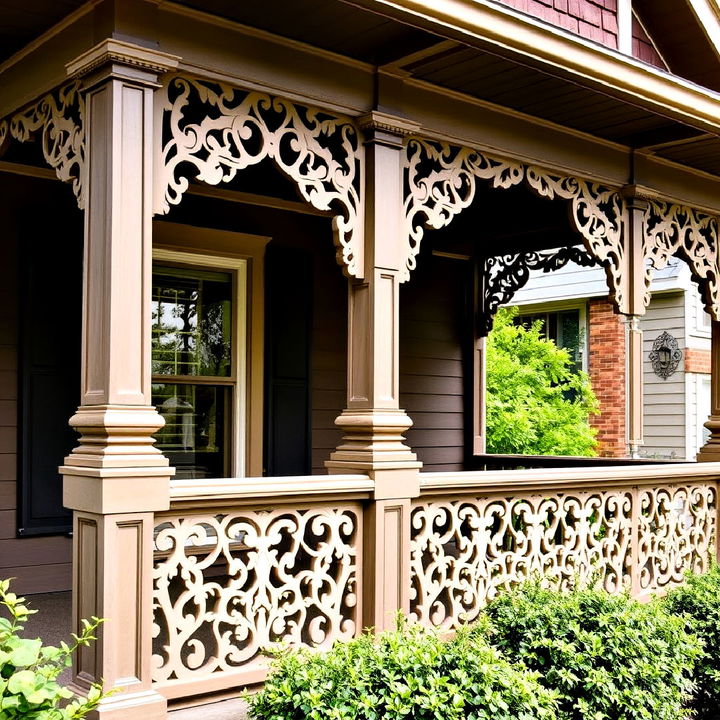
(373, 421)
(116, 479)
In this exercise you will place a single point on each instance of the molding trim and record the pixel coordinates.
(119, 52)
(441, 181)
(504, 275)
(211, 131)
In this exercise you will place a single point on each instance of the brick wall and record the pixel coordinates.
(697, 361)
(606, 365)
(592, 19)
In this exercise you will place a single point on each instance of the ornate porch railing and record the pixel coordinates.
(241, 565)
(636, 529)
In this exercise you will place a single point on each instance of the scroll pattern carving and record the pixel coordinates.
(59, 118)
(441, 182)
(676, 230)
(228, 585)
(676, 533)
(504, 275)
(211, 131)
(464, 550)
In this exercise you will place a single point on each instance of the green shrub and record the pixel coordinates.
(29, 671)
(699, 601)
(608, 657)
(538, 403)
(409, 673)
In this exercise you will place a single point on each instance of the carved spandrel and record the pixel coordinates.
(58, 117)
(680, 231)
(441, 181)
(212, 131)
(504, 275)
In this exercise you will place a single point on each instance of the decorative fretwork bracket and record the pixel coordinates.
(676, 230)
(441, 182)
(504, 275)
(210, 131)
(59, 119)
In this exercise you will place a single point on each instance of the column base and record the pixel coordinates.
(146, 705)
(710, 451)
(373, 439)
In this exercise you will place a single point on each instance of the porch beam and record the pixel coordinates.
(115, 479)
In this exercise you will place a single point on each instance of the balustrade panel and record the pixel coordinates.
(231, 582)
(467, 547)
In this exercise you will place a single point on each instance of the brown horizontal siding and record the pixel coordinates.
(39, 564)
(328, 360)
(433, 326)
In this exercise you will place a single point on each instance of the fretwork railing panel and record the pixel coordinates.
(230, 583)
(465, 548)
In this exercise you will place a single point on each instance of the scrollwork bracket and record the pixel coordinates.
(212, 131)
(58, 118)
(441, 181)
(504, 275)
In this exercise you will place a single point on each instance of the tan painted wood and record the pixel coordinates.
(115, 478)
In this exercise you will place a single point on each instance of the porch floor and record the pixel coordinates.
(234, 709)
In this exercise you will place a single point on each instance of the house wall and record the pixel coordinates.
(606, 366)
(38, 564)
(664, 400)
(434, 329)
(593, 19)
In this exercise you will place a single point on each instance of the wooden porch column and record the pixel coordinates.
(116, 479)
(710, 452)
(373, 421)
(634, 308)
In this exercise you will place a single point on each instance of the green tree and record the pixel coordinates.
(537, 401)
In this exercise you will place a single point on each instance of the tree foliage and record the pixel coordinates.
(538, 403)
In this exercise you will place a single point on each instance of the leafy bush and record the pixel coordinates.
(409, 673)
(29, 671)
(699, 601)
(537, 402)
(608, 657)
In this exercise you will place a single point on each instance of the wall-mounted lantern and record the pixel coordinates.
(665, 355)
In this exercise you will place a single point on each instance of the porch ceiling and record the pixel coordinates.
(498, 75)
(22, 22)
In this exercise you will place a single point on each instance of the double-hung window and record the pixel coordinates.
(198, 347)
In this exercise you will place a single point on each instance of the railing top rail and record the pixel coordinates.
(492, 481)
(276, 489)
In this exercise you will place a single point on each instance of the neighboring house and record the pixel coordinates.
(242, 252)
(572, 303)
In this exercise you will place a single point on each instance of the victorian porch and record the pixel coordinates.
(293, 249)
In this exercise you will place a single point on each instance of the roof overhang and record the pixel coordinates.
(504, 31)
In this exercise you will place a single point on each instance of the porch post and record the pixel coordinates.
(373, 421)
(115, 479)
(710, 452)
(635, 307)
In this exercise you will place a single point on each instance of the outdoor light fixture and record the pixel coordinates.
(665, 355)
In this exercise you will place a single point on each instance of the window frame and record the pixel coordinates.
(238, 268)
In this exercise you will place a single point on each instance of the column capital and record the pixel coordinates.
(638, 196)
(121, 59)
(380, 126)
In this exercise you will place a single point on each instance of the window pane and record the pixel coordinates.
(194, 437)
(192, 316)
